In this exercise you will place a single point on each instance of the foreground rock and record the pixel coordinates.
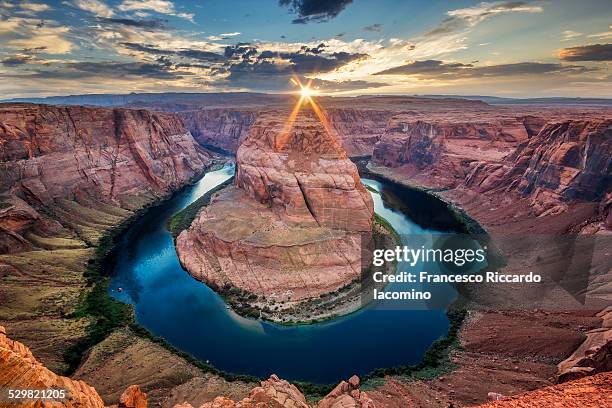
(277, 393)
(594, 391)
(20, 370)
(594, 355)
(290, 228)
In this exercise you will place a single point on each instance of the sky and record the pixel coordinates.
(535, 48)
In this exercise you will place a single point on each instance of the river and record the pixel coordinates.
(193, 318)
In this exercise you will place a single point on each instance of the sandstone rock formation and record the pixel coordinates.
(347, 394)
(67, 175)
(594, 391)
(358, 129)
(120, 157)
(220, 128)
(566, 161)
(277, 393)
(20, 370)
(290, 228)
(437, 149)
(594, 355)
(133, 397)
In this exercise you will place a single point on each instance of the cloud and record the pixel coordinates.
(603, 35)
(343, 86)
(593, 52)
(435, 69)
(317, 11)
(104, 69)
(96, 7)
(194, 54)
(373, 28)
(150, 24)
(224, 36)
(569, 35)
(461, 19)
(26, 56)
(16, 60)
(158, 6)
(34, 7)
(30, 33)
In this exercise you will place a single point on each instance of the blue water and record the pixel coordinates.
(185, 312)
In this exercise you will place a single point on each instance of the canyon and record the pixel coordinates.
(71, 173)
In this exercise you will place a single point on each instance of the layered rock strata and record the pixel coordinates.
(220, 128)
(290, 228)
(87, 156)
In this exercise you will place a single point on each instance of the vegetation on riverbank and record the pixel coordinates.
(105, 313)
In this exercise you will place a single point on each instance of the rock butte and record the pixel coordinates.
(290, 227)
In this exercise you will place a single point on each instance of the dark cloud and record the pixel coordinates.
(27, 55)
(123, 69)
(266, 72)
(424, 67)
(307, 60)
(154, 24)
(440, 69)
(194, 54)
(16, 60)
(314, 10)
(594, 52)
(240, 50)
(109, 70)
(373, 28)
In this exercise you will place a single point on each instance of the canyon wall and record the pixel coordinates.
(60, 157)
(552, 162)
(226, 128)
(220, 128)
(68, 175)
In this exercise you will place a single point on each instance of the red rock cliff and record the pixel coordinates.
(117, 156)
(220, 128)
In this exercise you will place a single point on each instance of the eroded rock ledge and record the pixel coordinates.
(290, 229)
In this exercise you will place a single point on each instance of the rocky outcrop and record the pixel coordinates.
(124, 158)
(594, 355)
(19, 369)
(437, 150)
(347, 394)
(133, 397)
(290, 229)
(587, 392)
(219, 128)
(358, 130)
(277, 393)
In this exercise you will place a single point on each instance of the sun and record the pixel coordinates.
(306, 92)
